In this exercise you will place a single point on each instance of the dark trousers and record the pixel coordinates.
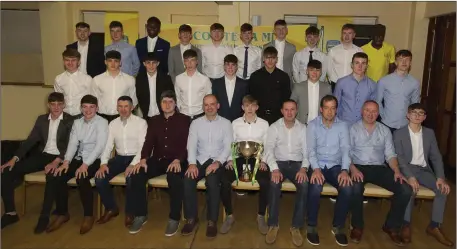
(116, 165)
(262, 177)
(34, 163)
(57, 186)
(382, 176)
(342, 201)
(333, 84)
(289, 170)
(212, 192)
(136, 188)
(108, 117)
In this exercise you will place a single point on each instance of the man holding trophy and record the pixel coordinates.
(246, 162)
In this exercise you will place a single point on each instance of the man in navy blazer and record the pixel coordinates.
(153, 43)
(230, 90)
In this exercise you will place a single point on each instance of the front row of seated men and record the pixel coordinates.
(325, 151)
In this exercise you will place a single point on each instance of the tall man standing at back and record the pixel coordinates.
(214, 53)
(153, 43)
(249, 56)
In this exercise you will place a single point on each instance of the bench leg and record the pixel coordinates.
(182, 213)
(24, 197)
(99, 206)
(159, 197)
(420, 204)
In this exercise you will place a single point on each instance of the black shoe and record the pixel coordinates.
(42, 224)
(8, 219)
(341, 239)
(313, 238)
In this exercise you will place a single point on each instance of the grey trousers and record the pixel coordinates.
(427, 179)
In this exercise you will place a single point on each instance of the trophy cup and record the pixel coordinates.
(247, 149)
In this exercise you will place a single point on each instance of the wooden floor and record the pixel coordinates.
(244, 233)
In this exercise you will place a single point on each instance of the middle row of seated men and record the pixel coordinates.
(188, 151)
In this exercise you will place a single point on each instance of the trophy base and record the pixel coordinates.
(245, 180)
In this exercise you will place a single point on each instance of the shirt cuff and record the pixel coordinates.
(273, 166)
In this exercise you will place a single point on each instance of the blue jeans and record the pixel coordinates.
(342, 202)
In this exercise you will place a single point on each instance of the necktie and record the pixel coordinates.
(310, 56)
(245, 68)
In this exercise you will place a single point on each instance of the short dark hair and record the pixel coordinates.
(249, 99)
(116, 24)
(155, 20)
(360, 55)
(348, 26)
(312, 30)
(150, 56)
(56, 97)
(280, 22)
(185, 28)
(314, 64)
(328, 98)
(125, 98)
(230, 58)
(416, 106)
(379, 29)
(168, 94)
(289, 101)
(403, 53)
(216, 26)
(246, 27)
(113, 54)
(270, 51)
(71, 53)
(190, 53)
(89, 99)
(82, 25)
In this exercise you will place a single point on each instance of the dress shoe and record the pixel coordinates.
(406, 233)
(57, 222)
(107, 215)
(87, 224)
(211, 230)
(356, 235)
(190, 227)
(439, 235)
(128, 220)
(9, 219)
(394, 236)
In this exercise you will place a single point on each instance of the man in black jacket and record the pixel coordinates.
(50, 133)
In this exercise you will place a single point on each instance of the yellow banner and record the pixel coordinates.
(129, 23)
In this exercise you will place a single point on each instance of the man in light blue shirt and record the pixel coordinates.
(371, 146)
(208, 146)
(397, 91)
(87, 140)
(354, 89)
(130, 64)
(328, 152)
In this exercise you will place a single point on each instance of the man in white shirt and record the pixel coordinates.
(127, 133)
(112, 84)
(247, 128)
(191, 86)
(249, 56)
(339, 57)
(287, 157)
(73, 83)
(310, 52)
(214, 53)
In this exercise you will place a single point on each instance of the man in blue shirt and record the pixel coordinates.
(372, 146)
(208, 146)
(130, 64)
(328, 153)
(354, 89)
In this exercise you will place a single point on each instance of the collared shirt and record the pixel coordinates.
(280, 45)
(151, 43)
(130, 64)
(74, 86)
(351, 95)
(313, 100)
(300, 63)
(128, 138)
(230, 88)
(213, 59)
(417, 145)
(255, 131)
(371, 149)
(209, 139)
(379, 60)
(254, 59)
(51, 144)
(328, 147)
(153, 108)
(398, 92)
(339, 61)
(183, 49)
(87, 139)
(286, 144)
(82, 49)
(190, 91)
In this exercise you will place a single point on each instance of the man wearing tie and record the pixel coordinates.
(249, 56)
(175, 58)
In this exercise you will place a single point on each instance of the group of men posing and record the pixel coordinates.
(196, 105)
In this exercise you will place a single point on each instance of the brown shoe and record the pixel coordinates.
(87, 224)
(190, 227)
(438, 234)
(107, 215)
(406, 233)
(57, 222)
(394, 236)
(211, 230)
(128, 220)
(356, 235)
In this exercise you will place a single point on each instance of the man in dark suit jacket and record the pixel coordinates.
(230, 90)
(150, 105)
(91, 50)
(153, 43)
(50, 134)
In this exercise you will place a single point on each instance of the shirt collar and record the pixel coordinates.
(315, 49)
(230, 80)
(185, 46)
(59, 118)
(280, 42)
(153, 39)
(415, 133)
(284, 123)
(337, 120)
(72, 74)
(84, 46)
(255, 120)
(119, 75)
(206, 119)
(154, 76)
(313, 84)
